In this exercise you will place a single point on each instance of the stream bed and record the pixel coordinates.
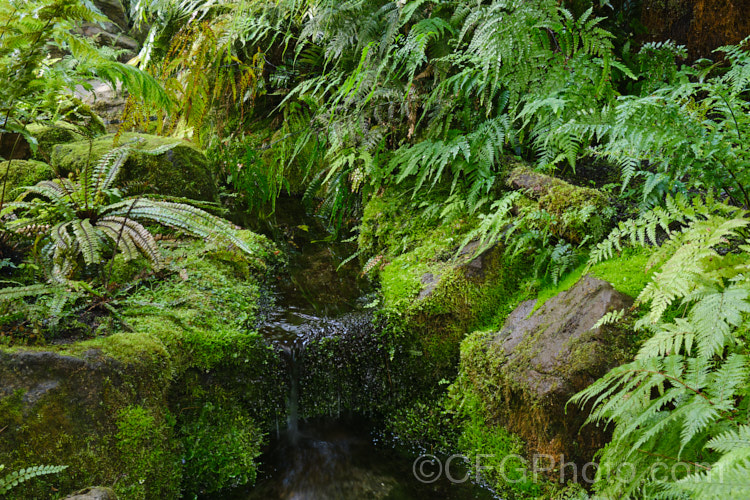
(339, 456)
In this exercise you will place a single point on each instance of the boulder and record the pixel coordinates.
(23, 173)
(95, 493)
(528, 371)
(182, 170)
(579, 211)
(105, 101)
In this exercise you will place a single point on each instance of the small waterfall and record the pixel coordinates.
(335, 375)
(293, 354)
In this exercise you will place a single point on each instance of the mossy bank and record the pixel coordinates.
(180, 404)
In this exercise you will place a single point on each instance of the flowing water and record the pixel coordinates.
(340, 456)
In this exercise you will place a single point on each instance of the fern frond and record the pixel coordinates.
(13, 479)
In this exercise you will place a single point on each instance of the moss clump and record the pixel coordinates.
(23, 173)
(221, 444)
(492, 447)
(149, 453)
(49, 136)
(628, 273)
(180, 171)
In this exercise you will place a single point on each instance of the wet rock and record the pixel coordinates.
(527, 372)
(95, 493)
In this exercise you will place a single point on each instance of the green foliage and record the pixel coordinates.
(682, 400)
(689, 133)
(16, 478)
(142, 439)
(482, 438)
(529, 232)
(38, 86)
(81, 224)
(221, 446)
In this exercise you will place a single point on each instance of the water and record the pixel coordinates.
(338, 460)
(337, 457)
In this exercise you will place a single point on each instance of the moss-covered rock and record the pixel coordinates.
(158, 410)
(525, 374)
(49, 136)
(432, 296)
(182, 170)
(21, 173)
(580, 212)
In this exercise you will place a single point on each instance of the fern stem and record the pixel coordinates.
(117, 243)
(7, 171)
(739, 184)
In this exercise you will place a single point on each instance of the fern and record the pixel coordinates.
(681, 399)
(89, 220)
(16, 478)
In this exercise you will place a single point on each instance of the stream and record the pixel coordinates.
(340, 456)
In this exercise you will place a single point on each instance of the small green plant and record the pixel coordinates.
(16, 478)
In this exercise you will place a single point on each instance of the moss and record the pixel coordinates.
(627, 273)
(580, 212)
(23, 173)
(181, 171)
(102, 406)
(221, 444)
(149, 453)
(11, 408)
(431, 297)
(49, 136)
(496, 450)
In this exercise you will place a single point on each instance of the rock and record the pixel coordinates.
(111, 37)
(429, 283)
(115, 12)
(105, 101)
(181, 171)
(23, 173)
(527, 372)
(701, 25)
(48, 136)
(95, 493)
(580, 212)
